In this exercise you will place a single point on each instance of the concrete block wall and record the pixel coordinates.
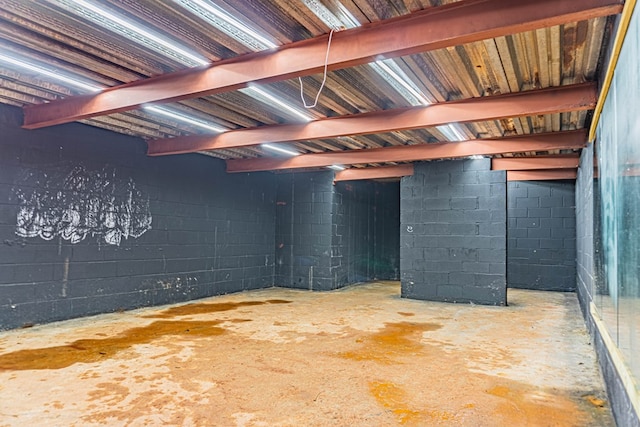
(585, 260)
(541, 243)
(304, 206)
(90, 224)
(330, 236)
(386, 231)
(365, 232)
(453, 232)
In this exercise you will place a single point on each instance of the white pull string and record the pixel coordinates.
(324, 78)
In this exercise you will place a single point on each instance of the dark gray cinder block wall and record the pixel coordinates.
(453, 232)
(541, 245)
(303, 230)
(89, 224)
(330, 236)
(366, 238)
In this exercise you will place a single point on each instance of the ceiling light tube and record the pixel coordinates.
(347, 17)
(328, 17)
(280, 149)
(185, 119)
(257, 93)
(227, 23)
(144, 36)
(451, 132)
(403, 81)
(53, 74)
(389, 71)
(336, 167)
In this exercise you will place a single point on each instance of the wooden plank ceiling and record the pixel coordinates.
(402, 75)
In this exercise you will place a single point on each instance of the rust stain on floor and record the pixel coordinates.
(297, 358)
(95, 350)
(204, 308)
(394, 340)
(537, 407)
(394, 398)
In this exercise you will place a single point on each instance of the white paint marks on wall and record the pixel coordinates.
(82, 203)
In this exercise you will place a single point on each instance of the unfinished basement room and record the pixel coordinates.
(320, 213)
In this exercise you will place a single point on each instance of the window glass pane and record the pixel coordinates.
(617, 205)
(628, 192)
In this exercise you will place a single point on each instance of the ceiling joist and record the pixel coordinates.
(407, 153)
(545, 101)
(569, 161)
(382, 172)
(434, 28)
(542, 175)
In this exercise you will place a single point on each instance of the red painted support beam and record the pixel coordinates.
(569, 161)
(430, 29)
(545, 101)
(542, 175)
(374, 173)
(409, 153)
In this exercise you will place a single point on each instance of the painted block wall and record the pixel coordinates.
(89, 224)
(541, 245)
(453, 232)
(329, 236)
(366, 237)
(303, 230)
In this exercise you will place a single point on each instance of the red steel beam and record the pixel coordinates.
(409, 153)
(545, 101)
(374, 173)
(433, 28)
(542, 175)
(570, 161)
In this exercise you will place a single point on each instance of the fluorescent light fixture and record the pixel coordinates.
(280, 149)
(394, 75)
(117, 23)
(49, 73)
(336, 167)
(346, 19)
(241, 32)
(185, 119)
(476, 157)
(451, 132)
(387, 69)
(228, 24)
(261, 95)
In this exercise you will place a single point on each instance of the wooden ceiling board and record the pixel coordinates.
(46, 31)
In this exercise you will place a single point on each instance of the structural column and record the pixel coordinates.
(453, 232)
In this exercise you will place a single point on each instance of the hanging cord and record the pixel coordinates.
(324, 78)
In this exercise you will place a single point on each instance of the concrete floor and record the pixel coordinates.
(360, 356)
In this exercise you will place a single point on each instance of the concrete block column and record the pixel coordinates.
(453, 232)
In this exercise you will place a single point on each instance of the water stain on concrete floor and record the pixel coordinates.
(360, 356)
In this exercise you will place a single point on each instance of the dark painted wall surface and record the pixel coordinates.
(453, 232)
(303, 230)
(90, 224)
(330, 236)
(541, 245)
(587, 284)
(366, 238)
